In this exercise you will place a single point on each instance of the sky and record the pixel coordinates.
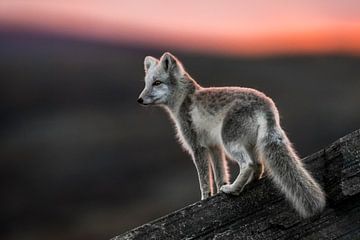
(225, 27)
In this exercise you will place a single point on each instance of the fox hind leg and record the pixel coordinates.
(248, 170)
(239, 137)
(258, 163)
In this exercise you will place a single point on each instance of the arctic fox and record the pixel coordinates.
(240, 123)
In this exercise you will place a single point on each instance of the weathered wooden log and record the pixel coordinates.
(261, 212)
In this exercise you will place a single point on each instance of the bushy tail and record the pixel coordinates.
(289, 175)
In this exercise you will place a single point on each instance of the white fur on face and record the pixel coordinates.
(155, 94)
(159, 70)
(159, 93)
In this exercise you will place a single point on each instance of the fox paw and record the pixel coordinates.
(205, 195)
(229, 189)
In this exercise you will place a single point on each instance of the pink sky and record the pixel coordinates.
(213, 26)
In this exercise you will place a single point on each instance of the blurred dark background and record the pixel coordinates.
(80, 159)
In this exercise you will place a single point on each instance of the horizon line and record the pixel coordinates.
(285, 44)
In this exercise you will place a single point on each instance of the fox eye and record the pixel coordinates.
(157, 83)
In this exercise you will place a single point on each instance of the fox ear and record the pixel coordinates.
(149, 61)
(170, 63)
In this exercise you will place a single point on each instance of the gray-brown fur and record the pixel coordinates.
(240, 122)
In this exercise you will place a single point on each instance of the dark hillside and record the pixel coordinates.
(76, 150)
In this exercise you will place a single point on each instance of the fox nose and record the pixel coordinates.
(140, 100)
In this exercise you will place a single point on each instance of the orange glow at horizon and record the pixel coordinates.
(227, 27)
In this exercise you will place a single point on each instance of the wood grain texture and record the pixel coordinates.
(261, 212)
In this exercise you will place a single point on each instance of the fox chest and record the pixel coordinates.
(207, 126)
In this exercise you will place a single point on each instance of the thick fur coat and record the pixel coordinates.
(240, 123)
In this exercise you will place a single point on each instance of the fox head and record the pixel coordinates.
(162, 79)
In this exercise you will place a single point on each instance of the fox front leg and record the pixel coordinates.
(201, 160)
